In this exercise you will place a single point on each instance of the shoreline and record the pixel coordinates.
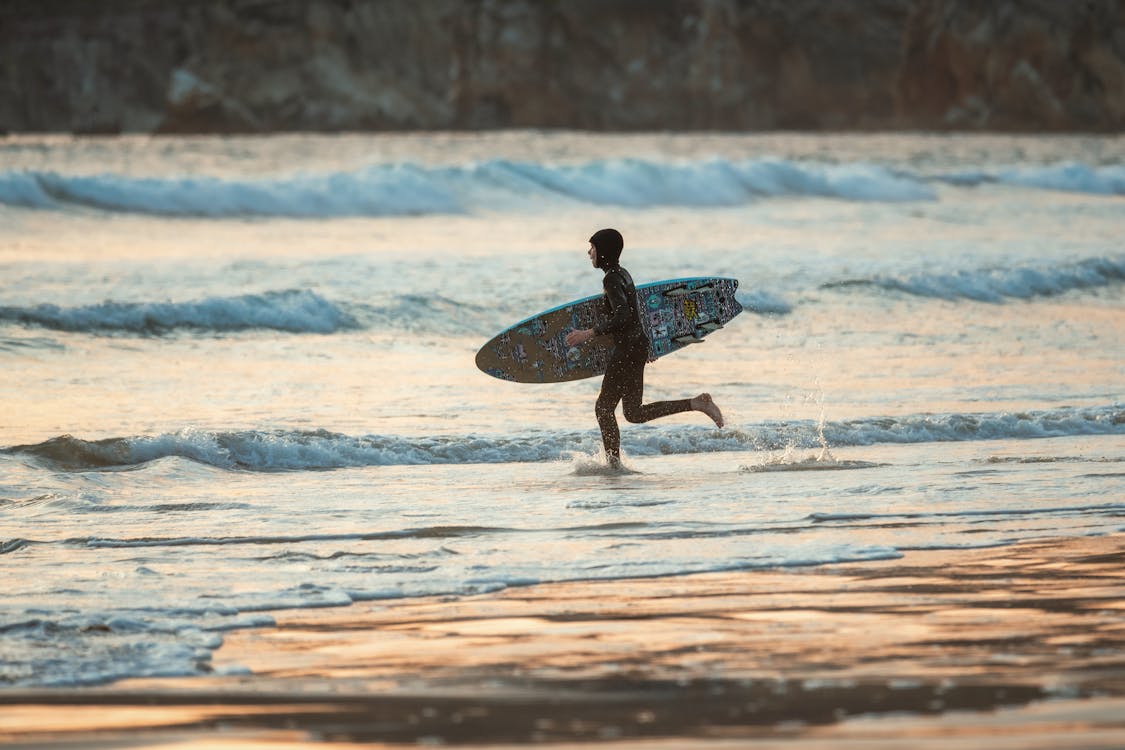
(1022, 644)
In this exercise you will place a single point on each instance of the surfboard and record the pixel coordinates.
(675, 313)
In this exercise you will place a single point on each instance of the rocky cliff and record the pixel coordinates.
(268, 65)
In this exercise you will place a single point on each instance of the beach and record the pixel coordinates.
(253, 488)
(1020, 646)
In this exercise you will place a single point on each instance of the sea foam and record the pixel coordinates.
(414, 189)
(376, 191)
(1070, 177)
(298, 311)
(1002, 283)
(420, 189)
(279, 450)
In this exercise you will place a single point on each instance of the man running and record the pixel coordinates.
(625, 373)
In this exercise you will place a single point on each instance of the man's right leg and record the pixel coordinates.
(613, 387)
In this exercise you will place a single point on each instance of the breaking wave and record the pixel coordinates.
(294, 311)
(298, 311)
(379, 191)
(999, 284)
(408, 188)
(254, 450)
(1070, 177)
(411, 189)
(418, 189)
(305, 311)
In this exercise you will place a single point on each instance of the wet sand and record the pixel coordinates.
(1013, 647)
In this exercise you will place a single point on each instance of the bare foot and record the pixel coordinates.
(703, 403)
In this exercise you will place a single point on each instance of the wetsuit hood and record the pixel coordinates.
(607, 246)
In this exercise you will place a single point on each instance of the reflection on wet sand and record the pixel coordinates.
(1021, 646)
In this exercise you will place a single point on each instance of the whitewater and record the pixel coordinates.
(239, 370)
(413, 189)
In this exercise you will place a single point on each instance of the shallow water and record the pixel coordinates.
(240, 370)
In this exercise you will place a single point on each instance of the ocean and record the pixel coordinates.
(238, 372)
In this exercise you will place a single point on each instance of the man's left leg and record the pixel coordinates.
(634, 388)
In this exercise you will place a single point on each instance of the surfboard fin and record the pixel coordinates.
(681, 291)
(689, 339)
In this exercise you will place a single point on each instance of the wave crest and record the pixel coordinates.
(297, 311)
(391, 190)
(279, 450)
(998, 284)
(420, 189)
(1070, 177)
(412, 189)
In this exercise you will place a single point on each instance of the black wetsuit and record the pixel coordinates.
(625, 374)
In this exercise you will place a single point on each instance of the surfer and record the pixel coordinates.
(625, 373)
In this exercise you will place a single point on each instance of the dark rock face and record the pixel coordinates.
(1027, 64)
(275, 65)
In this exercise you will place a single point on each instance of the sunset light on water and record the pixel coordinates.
(255, 492)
